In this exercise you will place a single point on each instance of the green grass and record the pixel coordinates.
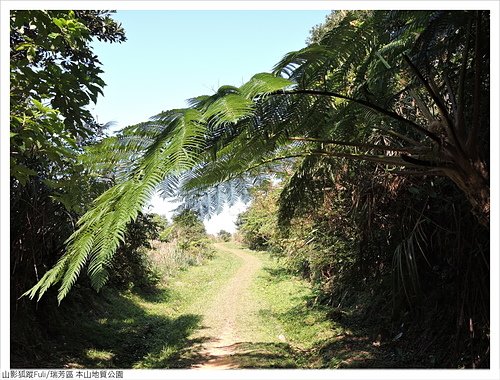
(290, 328)
(133, 330)
(159, 329)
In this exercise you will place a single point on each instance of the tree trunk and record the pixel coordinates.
(473, 179)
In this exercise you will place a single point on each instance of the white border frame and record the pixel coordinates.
(492, 5)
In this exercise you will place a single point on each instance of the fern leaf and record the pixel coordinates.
(263, 84)
(101, 229)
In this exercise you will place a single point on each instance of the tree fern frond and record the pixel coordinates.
(101, 229)
(212, 200)
(263, 84)
(442, 28)
(169, 186)
(52, 276)
(198, 102)
(229, 109)
(307, 66)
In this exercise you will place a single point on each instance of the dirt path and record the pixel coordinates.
(227, 320)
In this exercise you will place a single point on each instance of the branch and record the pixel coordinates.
(399, 135)
(381, 159)
(437, 100)
(429, 89)
(421, 105)
(431, 168)
(418, 161)
(359, 145)
(434, 172)
(270, 160)
(367, 104)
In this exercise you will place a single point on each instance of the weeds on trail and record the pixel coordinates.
(286, 299)
(301, 332)
(268, 355)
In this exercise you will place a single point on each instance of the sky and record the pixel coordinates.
(173, 55)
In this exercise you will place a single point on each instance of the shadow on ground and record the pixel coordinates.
(357, 342)
(112, 331)
(267, 355)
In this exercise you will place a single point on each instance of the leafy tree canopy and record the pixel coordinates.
(54, 76)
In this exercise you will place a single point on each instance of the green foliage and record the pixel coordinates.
(125, 329)
(131, 264)
(257, 224)
(189, 233)
(178, 146)
(114, 330)
(377, 250)
(54, 75)
(331, 21)
(381, 88)
(181, 244)
(160, 221)
(224, 236)
(165, 234)
(101, 230)
(379, 96)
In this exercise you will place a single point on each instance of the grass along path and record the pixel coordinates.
(135, 330)
(237, 310)
(260, 318)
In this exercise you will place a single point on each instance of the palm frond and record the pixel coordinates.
(406, 257)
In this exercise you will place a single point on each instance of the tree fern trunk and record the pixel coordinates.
(472, 178)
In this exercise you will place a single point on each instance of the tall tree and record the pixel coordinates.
(54, 76)
(384, 87)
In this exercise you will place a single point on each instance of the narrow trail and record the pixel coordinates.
(225, 319)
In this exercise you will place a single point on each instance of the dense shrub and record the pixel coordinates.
(132, 267)
(257, 225)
